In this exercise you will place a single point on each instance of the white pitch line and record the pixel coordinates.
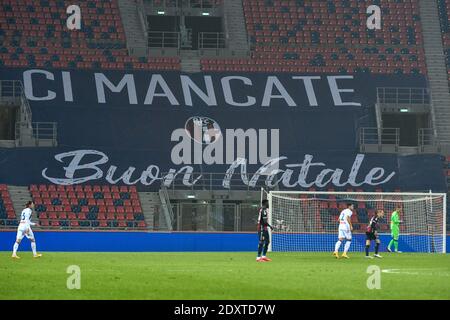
(426, 272)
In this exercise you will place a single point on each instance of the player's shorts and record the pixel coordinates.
(347, 234)
(395, 233)
(371, 236)
(24, 231)
(264, 236)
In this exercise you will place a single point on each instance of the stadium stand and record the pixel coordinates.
(7, 213)
(88, 206)
(33, 34)
(313, 36)
(444, 10)
(285, 36)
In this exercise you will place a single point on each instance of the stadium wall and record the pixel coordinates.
(75, 241)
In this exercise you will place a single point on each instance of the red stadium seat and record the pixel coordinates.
(74, 223)
(54, 223)
(141, 224)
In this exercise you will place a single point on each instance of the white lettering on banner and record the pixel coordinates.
(307, 81)
(268, 92)
(178, 90)
(67, 86)
(228, 94)
(157, 79)
(209, 98)
(336, 92)
(76, 172)
(127, 80)
(28, 85)
(75, 165)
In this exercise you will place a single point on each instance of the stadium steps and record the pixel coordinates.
(151, 204)
(190, 61)
(235, 28)
(437, 70)
(135, 27)
(19, 196)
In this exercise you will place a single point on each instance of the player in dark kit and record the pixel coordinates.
(263, 232)
(372, 234)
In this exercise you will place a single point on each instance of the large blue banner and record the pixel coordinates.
(150, 169)
(294, 131)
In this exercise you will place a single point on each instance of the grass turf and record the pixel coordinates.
(223, 276)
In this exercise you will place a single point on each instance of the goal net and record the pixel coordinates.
(308, 221)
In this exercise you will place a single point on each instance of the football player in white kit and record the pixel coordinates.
(345, 231)
(24, 229)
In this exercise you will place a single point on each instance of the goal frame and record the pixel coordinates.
(419, 194)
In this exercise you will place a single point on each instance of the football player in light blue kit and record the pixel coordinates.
(24, 230)
(345, 231)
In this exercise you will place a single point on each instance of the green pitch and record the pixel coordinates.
(223, 276)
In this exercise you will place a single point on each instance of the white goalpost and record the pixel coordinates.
(308, 220)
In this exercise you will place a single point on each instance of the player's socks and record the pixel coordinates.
(367, 250)
(337, 246)
(396, 245)
(377, 247)
(15, 247)
(33, 248)
(260, 248)
(347, 246)
(266, 248)
(390, 245)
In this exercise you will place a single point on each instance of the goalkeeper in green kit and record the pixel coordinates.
(395, 229)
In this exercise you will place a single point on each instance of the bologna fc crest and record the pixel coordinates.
(203, 130)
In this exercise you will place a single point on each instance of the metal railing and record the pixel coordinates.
(194, 4)
(209, 181)
(204, 4)
(37, 131)
(403, 96)
(211, 40)
(12, 92)
(426, 137)
(163, 39)
(379, 136)
(167, 207)
(10, 89)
